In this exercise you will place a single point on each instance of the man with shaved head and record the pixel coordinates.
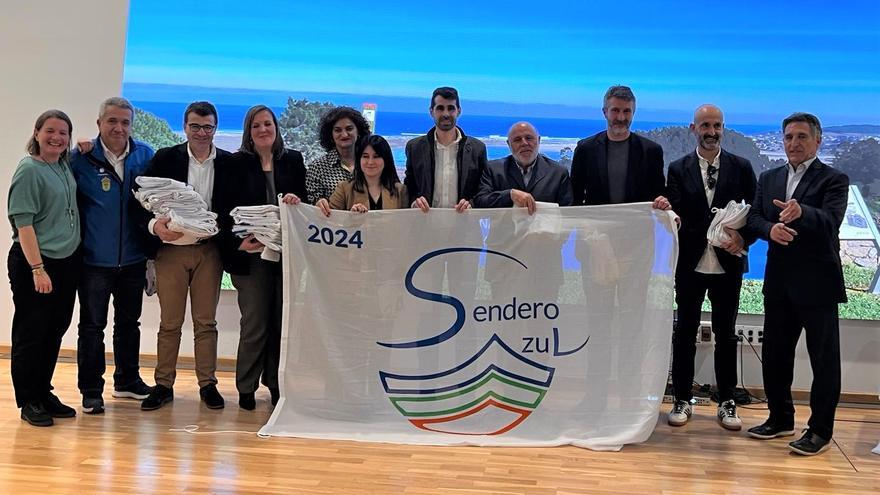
(708, 178)
(523, 177)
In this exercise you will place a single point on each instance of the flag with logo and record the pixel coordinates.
(489, 327)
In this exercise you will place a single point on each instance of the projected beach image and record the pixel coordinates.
(549, 64)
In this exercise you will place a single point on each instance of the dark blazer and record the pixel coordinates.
(589, 171)
(808, 270)
(549, 182)
(171, 163)
(684, 189)
(420, 161)
(244, 184)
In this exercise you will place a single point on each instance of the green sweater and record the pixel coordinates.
(44, 195)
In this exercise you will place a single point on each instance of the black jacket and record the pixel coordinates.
(420, 162)
(808, 270)
(589, 171)
(243, 183)
(684, 188)
(549, 182)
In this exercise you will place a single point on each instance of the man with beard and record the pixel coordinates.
(708, 178)
(616, 166)
(521, 179)
(444, 167)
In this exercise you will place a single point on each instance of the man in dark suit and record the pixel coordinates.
(444, 167)
(522, 179)
(617, 166)
(710, 177)
(195, 268)
(798, 208)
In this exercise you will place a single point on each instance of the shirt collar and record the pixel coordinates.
(454, 143)
(806, 164)
(192, 157)
(705, 163)
(112, 156)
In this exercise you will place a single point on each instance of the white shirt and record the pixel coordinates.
(794, 178)
(446, 173)
(201, 174)
(117, 162)
(709, 263)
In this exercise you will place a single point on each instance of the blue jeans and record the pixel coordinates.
(97, 284)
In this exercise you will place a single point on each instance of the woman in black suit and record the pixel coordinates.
(257, 174)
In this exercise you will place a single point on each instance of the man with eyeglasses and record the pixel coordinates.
(710, 177)
(194, 268)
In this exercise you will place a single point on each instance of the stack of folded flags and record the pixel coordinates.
(264, 223)
(733, 216)
(188, 212)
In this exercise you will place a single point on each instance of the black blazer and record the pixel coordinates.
(808, 270)
(549, 182)
(244, 184)
(684, 188)
(471, 161)
(589, 171)
(171, 163)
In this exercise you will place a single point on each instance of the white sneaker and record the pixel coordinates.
(680, 413)
(727, 416)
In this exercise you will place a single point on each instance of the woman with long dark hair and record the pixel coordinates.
(43, 265)
(375, 184)
(260, 172)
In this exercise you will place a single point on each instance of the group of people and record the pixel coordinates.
(77, 229)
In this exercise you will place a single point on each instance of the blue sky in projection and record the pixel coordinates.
(757, 60)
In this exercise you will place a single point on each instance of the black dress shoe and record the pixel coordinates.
(809, 444)
(160, 396)
(56, 408)
(275, 395)
(211, 397)
(36, 415)
(247, 401)
(770, 429)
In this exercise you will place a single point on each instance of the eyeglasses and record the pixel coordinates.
(710, 176)
(208, 128)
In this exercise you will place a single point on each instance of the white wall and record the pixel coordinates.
(56, 56)
(69, 55)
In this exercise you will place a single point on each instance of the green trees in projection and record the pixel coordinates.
(299, 126)
(860, 160)
(152, 130)
(678, 141)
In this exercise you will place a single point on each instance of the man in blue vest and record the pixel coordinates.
(114, 255)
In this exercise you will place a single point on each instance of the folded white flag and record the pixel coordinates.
(732, 216)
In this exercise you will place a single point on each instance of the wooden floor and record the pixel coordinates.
(129, 451)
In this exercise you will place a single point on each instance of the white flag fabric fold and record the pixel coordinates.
(186, 209)
(264, 223)
(490, 327)
(733, 216)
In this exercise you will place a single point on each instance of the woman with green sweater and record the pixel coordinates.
(43, 265)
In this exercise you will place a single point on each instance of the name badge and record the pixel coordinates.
(105, 184)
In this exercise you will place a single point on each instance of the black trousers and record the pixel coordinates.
(39, 322)
(690, 289)
(783, 321)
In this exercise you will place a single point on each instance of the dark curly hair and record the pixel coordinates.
(332, 117)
